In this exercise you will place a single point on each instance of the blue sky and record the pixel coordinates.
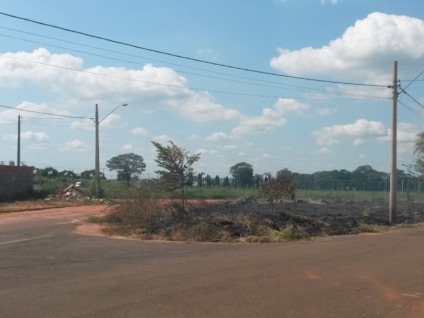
(228, 115)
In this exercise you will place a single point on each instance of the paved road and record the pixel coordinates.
(46, 270)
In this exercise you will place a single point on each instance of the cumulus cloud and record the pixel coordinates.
(65, 75)
(270, 118)
(200, 107)
(360, 129)
(365, 51)
(35, 136)
(74, 145)
(27, 110)
(218, 136)
(163, 139)
(138, 131)
(406, 133)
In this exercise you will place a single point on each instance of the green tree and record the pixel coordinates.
(208, 181)
(87, 174)
(49, 172)
(126, 165)
(242, 174)
(419, 152)
(177, 166)
(217, 181)
(200, 179)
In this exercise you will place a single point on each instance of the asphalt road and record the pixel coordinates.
(46, 270)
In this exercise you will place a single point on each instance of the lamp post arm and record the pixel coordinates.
(112, 112)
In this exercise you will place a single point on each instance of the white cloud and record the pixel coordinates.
(218, 136)
(163, 139)
(365, 51)
(406, 133)
(360, 129)
(127, 147)
(138, 131)
(200, 107)
(270, 119)
(35, 136)
(156, 86)
(74, 145)
(27, 110)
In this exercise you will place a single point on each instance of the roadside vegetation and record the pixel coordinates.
(184, 205)
(249, 217)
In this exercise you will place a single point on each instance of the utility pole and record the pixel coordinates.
(97, 161)
(393, 172)
(19, 141)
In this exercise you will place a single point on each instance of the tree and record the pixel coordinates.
(242, 174)
(208, 181)
(49, 172)
(280, 188)
(217, 181)
(177, 166)
(87, 174)
(126, 165)
(419, 152)
(200, 179)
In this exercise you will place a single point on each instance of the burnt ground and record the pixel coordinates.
(253, 221)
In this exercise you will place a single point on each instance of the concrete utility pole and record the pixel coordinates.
(393, 172)
(19, 141)
(97, 160)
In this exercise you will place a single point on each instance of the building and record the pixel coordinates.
(15, 182)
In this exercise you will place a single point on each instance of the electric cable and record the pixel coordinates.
(186, 57)
(275, 85)
(43, 113)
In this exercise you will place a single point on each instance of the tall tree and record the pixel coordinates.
(242, 173)
(127, 165)
(419, 152)
(177, 166)
(217, 181)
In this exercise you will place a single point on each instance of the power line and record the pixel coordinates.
(416, 78)
(275, 85)
(44, 113)
(186, 57)
(412, 110)
(407, 94)
(173, 85)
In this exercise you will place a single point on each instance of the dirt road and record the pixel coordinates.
(47, 270)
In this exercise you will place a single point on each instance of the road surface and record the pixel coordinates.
(48, 270)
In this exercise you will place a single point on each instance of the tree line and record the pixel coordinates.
(176, 170)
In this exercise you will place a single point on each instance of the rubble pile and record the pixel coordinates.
(70, 193)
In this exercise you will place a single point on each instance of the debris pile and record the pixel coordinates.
(70, 193)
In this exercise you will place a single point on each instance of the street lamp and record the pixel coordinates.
(97, 161)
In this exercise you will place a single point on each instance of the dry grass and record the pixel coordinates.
(143, 216)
